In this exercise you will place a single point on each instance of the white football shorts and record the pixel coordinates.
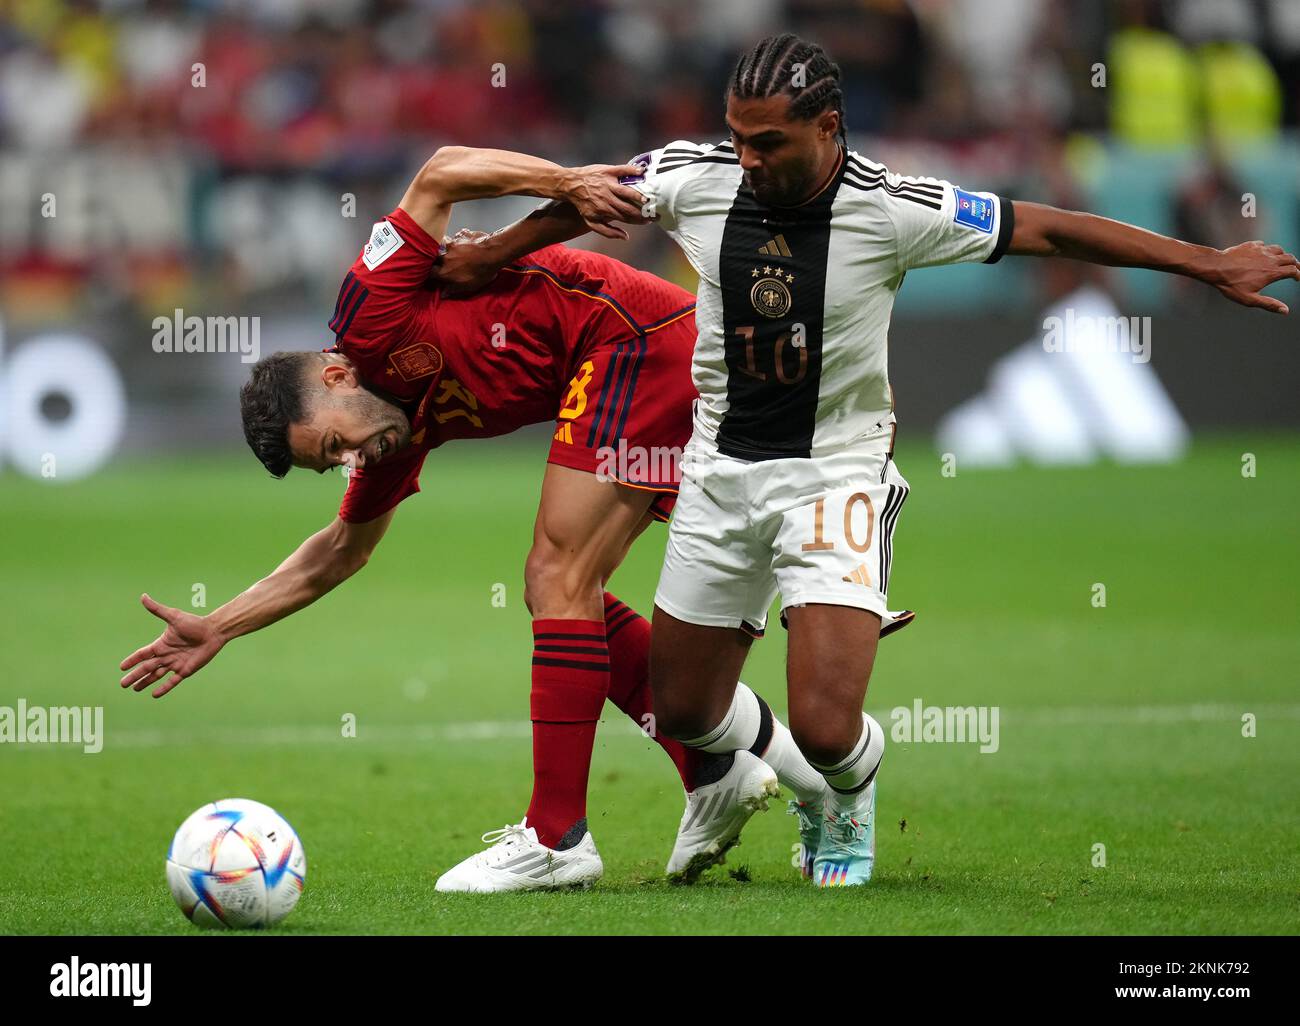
(816, 530)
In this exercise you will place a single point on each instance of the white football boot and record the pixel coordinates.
(716, 813)
(516, 861)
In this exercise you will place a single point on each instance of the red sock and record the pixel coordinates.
(628, 634)
(570, 681)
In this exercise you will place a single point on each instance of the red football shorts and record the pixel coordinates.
(626, 414)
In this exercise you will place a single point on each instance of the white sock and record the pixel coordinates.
(738, 730)
(750, 725)
(791, 768)
(850, 778)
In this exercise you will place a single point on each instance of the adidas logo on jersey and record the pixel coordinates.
(776, 247)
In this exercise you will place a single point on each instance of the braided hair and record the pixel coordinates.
(777, 63)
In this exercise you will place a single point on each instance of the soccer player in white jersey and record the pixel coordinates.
(790, 486)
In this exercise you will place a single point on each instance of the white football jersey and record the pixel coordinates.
(794, 302)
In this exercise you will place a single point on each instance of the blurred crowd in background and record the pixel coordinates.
(156, 153)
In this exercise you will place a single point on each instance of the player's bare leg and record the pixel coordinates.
(587, 645)
(831, 653)
(584, 528)
(694, 670)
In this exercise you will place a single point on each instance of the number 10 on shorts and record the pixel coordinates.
(819, 541)
(857, 521)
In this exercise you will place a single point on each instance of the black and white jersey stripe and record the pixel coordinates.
(917, 190)
(678, 156)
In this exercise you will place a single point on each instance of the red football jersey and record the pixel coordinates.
(483, 365)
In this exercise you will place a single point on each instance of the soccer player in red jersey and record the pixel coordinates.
(561, 335)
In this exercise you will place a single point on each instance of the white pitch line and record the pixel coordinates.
(505, 730)
(487, 730)
(1144, 715)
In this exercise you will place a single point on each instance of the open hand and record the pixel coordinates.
(186, 646)
(1242, 271)
(597, 194)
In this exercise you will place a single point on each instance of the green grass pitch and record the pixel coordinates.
(1120, 726)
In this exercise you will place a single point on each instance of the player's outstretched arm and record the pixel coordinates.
(458, 173)
(1239, 272)
(189, 642)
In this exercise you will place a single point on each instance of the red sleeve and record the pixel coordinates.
(377, 299)
(374, 491)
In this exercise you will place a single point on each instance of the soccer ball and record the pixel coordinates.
(236, 863)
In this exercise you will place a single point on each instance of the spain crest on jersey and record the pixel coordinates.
(416, 361)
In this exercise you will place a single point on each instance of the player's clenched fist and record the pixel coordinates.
(185, 647)
(468, 263)
(600, 198)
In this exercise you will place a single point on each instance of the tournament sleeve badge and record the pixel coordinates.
(642, 159)
(384, 242)
(973, 211)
